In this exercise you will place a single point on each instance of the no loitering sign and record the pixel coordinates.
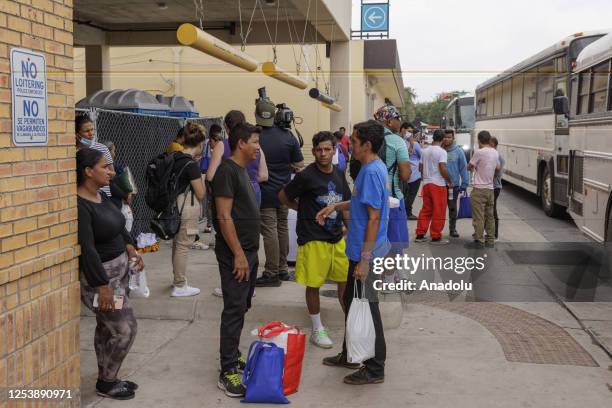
(29, 86)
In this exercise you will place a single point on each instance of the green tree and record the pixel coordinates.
(431, 112)
(409, 108)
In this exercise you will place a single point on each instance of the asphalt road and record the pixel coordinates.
(571, 265)
(527, 206)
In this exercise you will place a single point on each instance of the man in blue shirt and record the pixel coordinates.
(367, 239)
(457, 170)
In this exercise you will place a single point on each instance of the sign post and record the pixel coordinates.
(29, 97)
(375, 17)
(374, 20)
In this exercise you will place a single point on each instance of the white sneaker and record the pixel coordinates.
(199, 245)
(320, 338)
(218, 292)
(184, 291)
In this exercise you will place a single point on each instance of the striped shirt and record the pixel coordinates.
(109, 159)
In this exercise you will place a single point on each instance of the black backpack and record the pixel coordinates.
(161, 194)
(355, 166)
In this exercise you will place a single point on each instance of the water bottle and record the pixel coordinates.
(451, 193)
(133, 273)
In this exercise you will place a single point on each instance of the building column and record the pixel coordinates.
(340, 84)
(97, 68)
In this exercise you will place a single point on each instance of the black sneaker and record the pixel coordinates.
(284, 276)
(412, 217)
(339, 360)
(268, 281)
(420, 238)
(439, 241)
(454, 234)
(130, 384)
(114, 390)
(362, 377)
(231, 383)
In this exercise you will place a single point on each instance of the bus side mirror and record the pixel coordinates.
(561, 105)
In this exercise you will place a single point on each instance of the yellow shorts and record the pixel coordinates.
(318, 261)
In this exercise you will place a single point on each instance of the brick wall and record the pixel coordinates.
(39, 290)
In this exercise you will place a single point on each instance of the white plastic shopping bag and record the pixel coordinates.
(126, 210)
(360, 333)
(138, 285)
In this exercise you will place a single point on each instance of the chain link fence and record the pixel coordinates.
(138, 138)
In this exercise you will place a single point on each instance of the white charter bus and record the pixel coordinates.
(517, 107)
(459, 116)
(590, 140)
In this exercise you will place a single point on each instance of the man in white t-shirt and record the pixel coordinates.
(485, 163)
(435, 181)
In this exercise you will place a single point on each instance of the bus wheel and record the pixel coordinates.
(548, 192)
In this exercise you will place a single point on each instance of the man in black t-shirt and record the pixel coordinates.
(283, 154)
(236, 220)
(321, 251)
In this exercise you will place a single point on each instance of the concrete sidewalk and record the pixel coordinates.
(518, 354)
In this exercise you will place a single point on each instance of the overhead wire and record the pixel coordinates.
(244, 37)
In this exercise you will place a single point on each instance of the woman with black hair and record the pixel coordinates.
(106, 249)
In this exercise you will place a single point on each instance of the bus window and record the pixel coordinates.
(599, 89)
(561, 65)
(546, 75)
(490, 99)
(517, 94)
(583, 93)
(506, 97)
(481, 109)
(529, 91)
(498, 99)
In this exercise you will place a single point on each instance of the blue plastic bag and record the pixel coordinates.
(465, 206)
(263, 374)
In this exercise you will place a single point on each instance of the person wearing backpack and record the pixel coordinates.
(397, 161)
(189, 195)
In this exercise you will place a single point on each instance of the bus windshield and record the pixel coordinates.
(578, 45)
(465, 116)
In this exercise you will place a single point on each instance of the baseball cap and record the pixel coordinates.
(264, 113)
(386, 113)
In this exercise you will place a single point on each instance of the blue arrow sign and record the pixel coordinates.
(375, 17)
